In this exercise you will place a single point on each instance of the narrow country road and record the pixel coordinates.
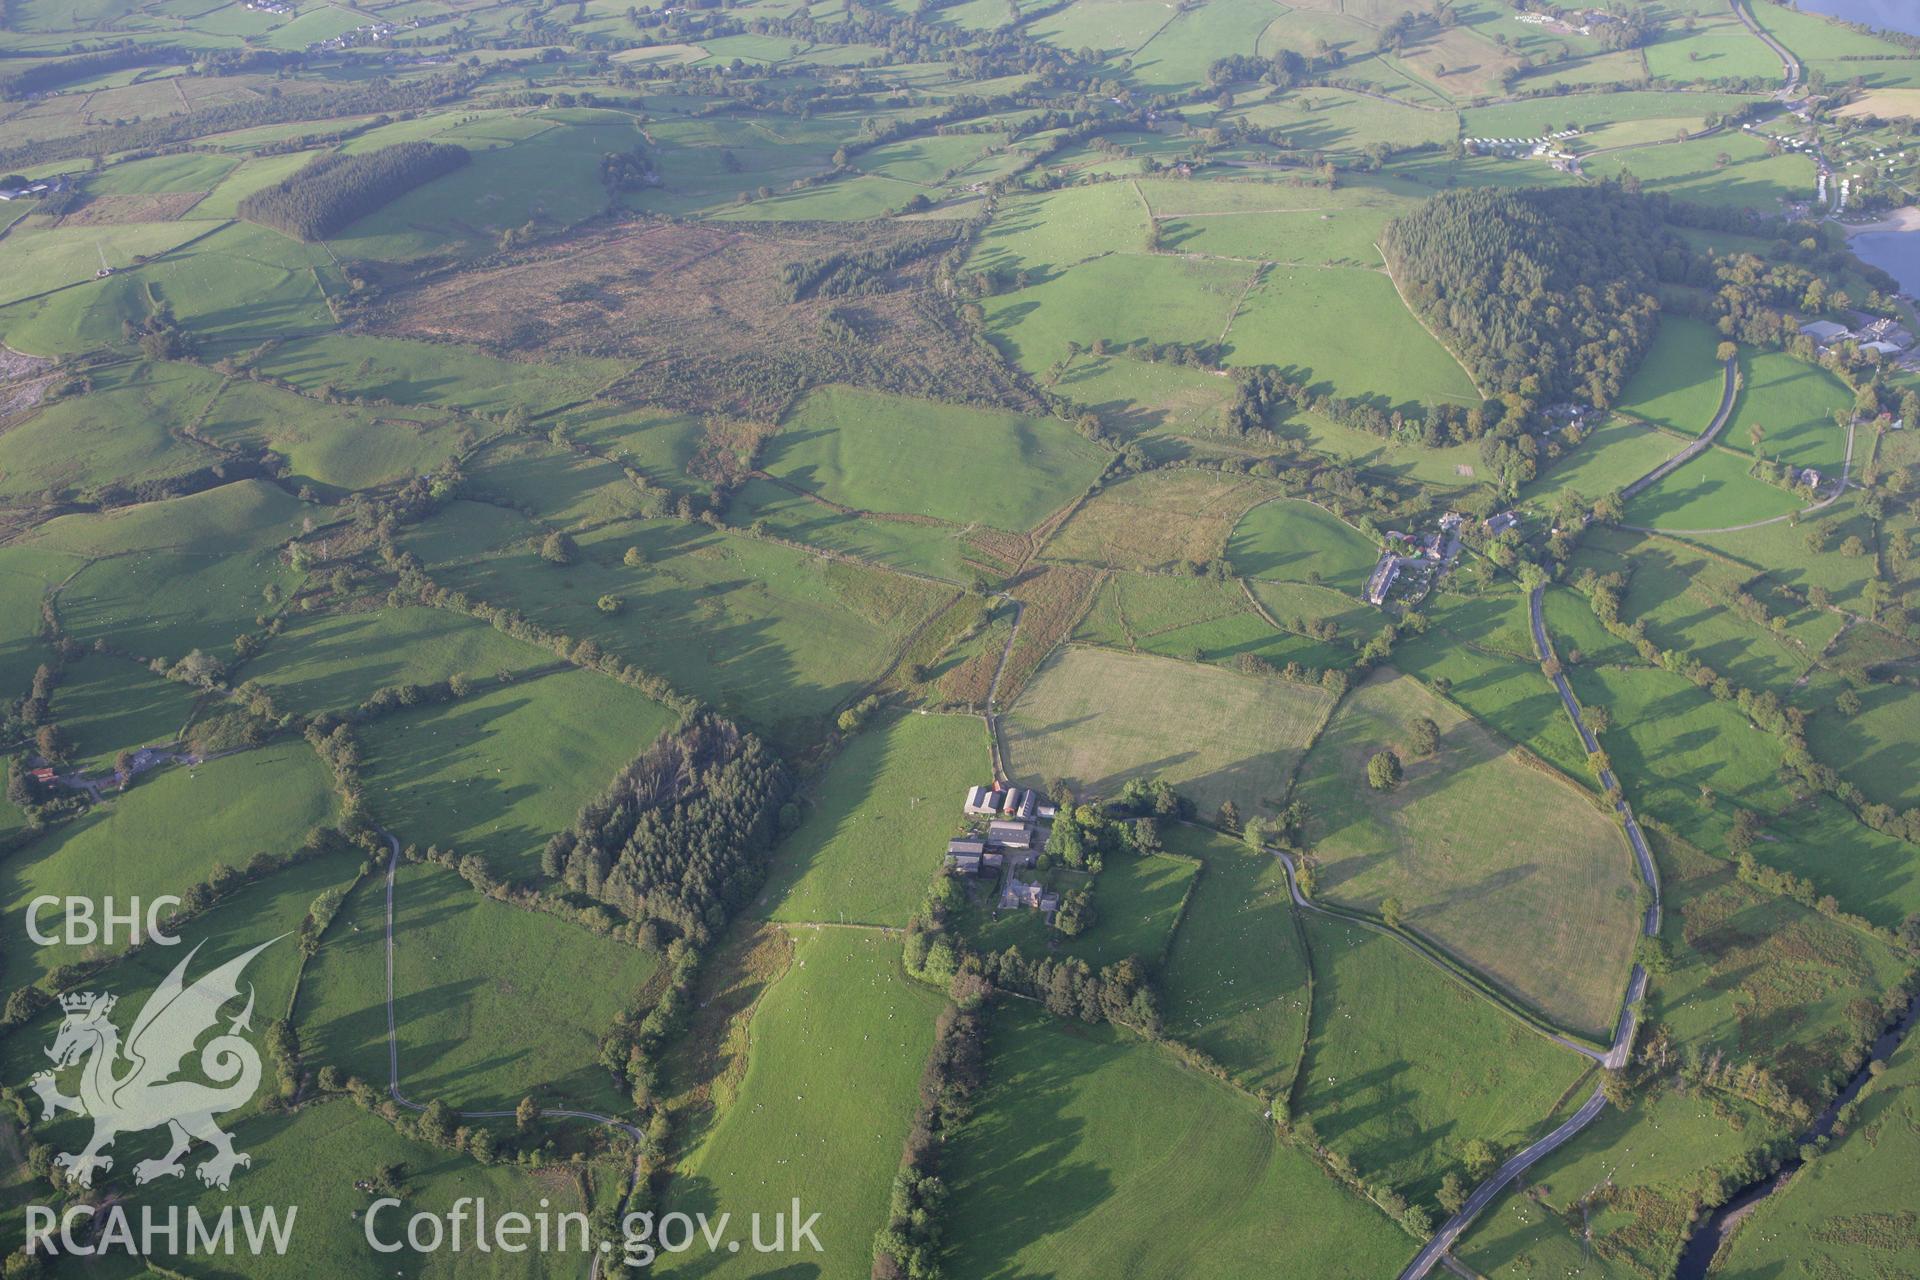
(393, 1036)
(1444, 1239)
(1729, 373)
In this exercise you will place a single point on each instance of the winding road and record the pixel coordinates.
(1444, 1239)
(393, 1036)
(1698, 445)
(1789, 64)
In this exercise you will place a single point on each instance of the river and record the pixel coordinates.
(1887, 15)
(1711, 1234)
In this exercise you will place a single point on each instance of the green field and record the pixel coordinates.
(1096, 717)
(124, 433)
(492, 1002)
(1693, 171)
(1679, 383)
(1710, 492)
(1357, 314)
(107, 705)
(1617, 453)
(887, 453)
(1478, 651)
(1194, 301)
(329, 445)
(1551, 921)
(785, 635)
(1793, 404)
(335, 661)
(824, 1105)
(1405, 1065)
(224, 811)
(1236, 980)
(1092, 1153)
(876, 830)
(498, 772)
(1670, 739)
(1299, 542)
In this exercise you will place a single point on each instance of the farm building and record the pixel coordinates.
(1824, 331)
(1011, 835)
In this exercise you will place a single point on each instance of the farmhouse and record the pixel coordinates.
(1033, 897)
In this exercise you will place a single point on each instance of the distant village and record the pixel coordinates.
(1007, 834)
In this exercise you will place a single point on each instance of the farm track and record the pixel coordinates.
(1444, 1239)
(393, 1036)
(993, 689)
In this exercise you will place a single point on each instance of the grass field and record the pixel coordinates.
(1405, 1065)
(1195, 300)
(1091, 1153)
(107, 705)
(1670, 739)
(312, 1157)
(25, 578)
(876, 452)
(1871, 748)
(167, 577)
(1793, 404)
(1157, 519)
(122, 433)
(1616, 454)
(1096, 717)
(876, 830)
(823, 1106)
(1679, 383)
(225, 811)
(1755, 973)
(329, 446)
(427, 373)
(1294, 541)
(1551, 921)
(1235, 982)
(1712, 491)
(785, 636)
(1356, 314)
(1692, 170)
(335, 661)
(1047, 233)
(492, 1002)
(498, 772)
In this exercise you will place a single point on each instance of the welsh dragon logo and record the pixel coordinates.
(132, 1088)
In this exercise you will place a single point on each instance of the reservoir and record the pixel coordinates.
(1887, 15)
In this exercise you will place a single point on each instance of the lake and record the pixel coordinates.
(1888, 15)
(1895, 252)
